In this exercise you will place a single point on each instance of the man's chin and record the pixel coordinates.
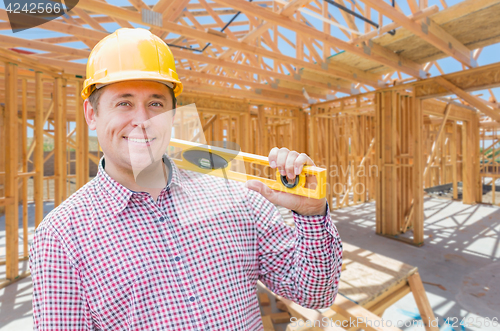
(141, 161)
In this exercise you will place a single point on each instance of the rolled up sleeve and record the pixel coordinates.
(302, 263)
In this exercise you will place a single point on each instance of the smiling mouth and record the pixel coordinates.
(139, 140)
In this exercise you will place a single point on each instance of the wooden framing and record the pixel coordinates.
(489, 161)
(407, 146)
(25, 100)
(245, 54)
(250, 92)
(11, 170)
(348, 151)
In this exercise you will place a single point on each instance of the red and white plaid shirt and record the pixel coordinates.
(110, 258)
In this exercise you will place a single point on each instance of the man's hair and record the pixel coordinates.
(96, 95)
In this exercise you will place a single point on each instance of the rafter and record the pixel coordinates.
(242, 67)
(471, 99)
(241, 82)
(261, 28)
(190, 85)
(428, 31)
(249, 55)
(33, 44)
(409, 67)
(87, 19)
(351, 74)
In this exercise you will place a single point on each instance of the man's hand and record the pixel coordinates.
(290, 163)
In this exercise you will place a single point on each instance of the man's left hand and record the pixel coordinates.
(290, 163)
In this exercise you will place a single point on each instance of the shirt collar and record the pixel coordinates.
(120, 195)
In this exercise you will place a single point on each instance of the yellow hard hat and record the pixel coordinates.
(130, 54)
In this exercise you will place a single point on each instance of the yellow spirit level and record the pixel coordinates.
(216, 161)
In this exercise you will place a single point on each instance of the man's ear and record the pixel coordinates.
(90, 114)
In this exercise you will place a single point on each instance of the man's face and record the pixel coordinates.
(133, 123)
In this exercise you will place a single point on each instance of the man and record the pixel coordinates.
(186, 254)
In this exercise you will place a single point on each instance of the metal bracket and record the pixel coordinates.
(425, 28)
(367, 49)
(151, 17)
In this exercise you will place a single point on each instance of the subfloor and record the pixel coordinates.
(459, 265)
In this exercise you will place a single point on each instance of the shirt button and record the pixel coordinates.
(162, 219)
(177, 258)
(191, 299)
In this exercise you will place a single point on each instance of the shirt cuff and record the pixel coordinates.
(314, 226)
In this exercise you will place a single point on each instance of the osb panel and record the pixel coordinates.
(471, 26)
(477, 29)
(368, 275)
(344, 58)
(476, 79)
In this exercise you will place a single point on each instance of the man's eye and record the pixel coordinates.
(156, 104)
(123, 103)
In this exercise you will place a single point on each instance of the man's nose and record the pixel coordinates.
(141, 117)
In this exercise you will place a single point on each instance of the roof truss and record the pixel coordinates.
(292, 51)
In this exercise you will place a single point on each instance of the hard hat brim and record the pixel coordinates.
(90, 84)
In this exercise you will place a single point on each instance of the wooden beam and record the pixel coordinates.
(81, 151)
(437, 139)
(288, 10)
(418, 165)
(295, 79)
(351, 310)
(472, 100)
(38, 158)
(453, 152)
(89, 20)
(470, 162)
(59, 143)
(79, 69)
(66, 28)
(43, 46)
(24, 60)
(11, 162)
(351, 74)
(139, 5)
(371, 51)
(428, 31)
(457, 112)
(422, 301)
(292, 6)
(191, 86)
(171, 11)
(241, 82)
(479, 78)
(24, 163)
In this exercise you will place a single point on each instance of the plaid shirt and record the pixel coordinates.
(110, 258)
